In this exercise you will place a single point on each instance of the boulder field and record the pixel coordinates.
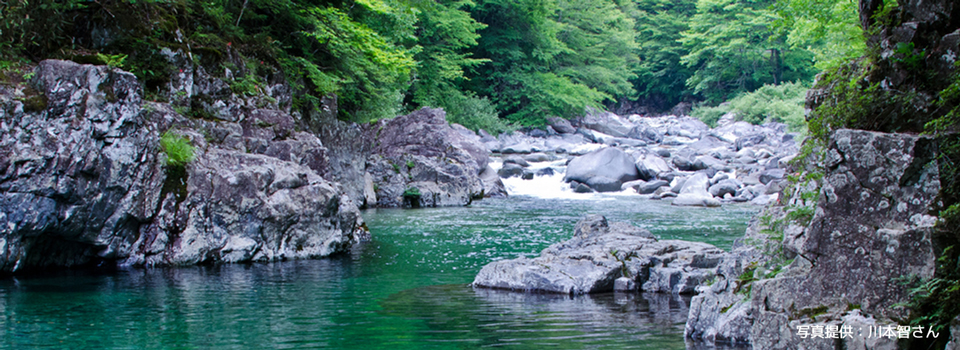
(659, 157)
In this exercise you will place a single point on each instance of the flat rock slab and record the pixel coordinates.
(599, 254)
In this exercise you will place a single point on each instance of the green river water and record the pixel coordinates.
(407, 288)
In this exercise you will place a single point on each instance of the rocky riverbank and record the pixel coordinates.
(673, 158)
(84, 179)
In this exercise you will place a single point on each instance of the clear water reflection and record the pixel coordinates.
(407, 288)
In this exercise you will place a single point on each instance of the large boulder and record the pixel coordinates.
(606, 123)
(561, 125)
(84, 181)
(598, 254)
(694, 192)
(651, 165)
(421, 152)
(605, 166)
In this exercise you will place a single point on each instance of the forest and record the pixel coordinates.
(491, 64)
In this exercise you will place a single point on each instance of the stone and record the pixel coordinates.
(624, 284)
(587, 263)
(538, 158)
(606, 123)
(516, 160)
(510, 170)
(492, 185)
(646, 133)
(580, 187)
(561, 125)
(90, 185)
(694, 193)
(649, 166)
(724, 187)
(421, 150)
(769, 175)
(608, 167)
(651, 186)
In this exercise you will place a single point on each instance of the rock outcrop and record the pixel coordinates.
(870, 226)
(83, 181)
(418, 160)
(598, 255)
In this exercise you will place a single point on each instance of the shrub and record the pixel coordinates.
(472, 112)
(177, 148)
(771, 103)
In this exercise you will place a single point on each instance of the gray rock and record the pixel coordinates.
(587, 262)
(606, 123)
(561, 125)
(596, 136)
(510, 170)
(515, 160)
(624, 284)
(687, 127)
(770, 175)
(870, 226)
(684, 163)
(651, 186)
(646, 133)
(538, 158)
(545, 172)
(724, 187)
(608, 167)
(635, 184)
(518, 148)
(649, 166)
(421, 150)
(85, 182)
(492, 185)
(580, 187)
(694, 193)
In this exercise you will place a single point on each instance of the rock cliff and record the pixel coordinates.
(84, 179)
(847, 257)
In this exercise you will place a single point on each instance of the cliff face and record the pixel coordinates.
(84, 180)
(859, 226)
(870, 231)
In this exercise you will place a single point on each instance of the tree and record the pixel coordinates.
(552, 58)
(660, 77)
(828, 28)
(733, 49)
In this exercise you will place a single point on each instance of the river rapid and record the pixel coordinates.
(407, 288)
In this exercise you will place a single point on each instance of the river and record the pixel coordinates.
(407, 288)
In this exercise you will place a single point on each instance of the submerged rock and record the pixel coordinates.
(600, 253)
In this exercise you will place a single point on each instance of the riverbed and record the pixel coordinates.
(406, 288)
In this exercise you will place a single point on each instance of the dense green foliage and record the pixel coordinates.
(489, 63)
(770, 103)
(733, 48)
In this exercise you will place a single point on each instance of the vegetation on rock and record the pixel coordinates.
(177, 148)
